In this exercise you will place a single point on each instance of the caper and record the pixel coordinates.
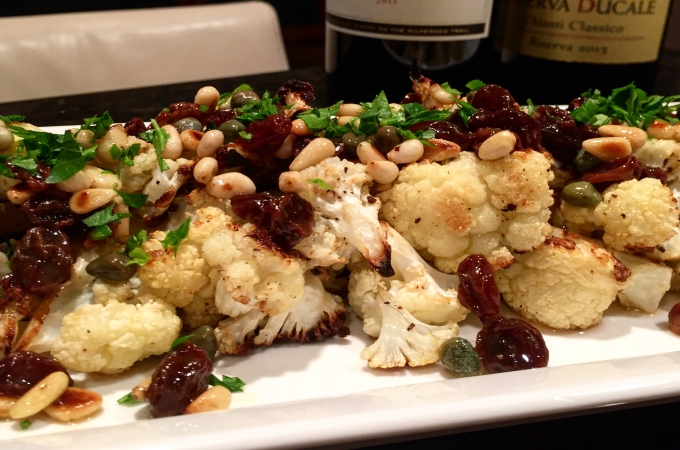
(204, 337)
(585, 162)
(386, 139)
(242, 98)
(350, 141)
(582, 194)
(188, 123)
(231, 129)
(112, 267)
(459, 356)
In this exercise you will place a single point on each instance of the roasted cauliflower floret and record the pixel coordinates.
(472, 206)
(318, 315)
(111, 338)
(638, 216)
(565, 283)
(201, 311)
(662, 153)
(647, 283)
(346, 217)
(136, 176)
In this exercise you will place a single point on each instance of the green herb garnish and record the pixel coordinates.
(234, 384)
(245, 135)
(259, 109)
(159, 138)
(12, 118)
(320, 118)
(133, 200)
(133, 246)
(100, 220)
(25, 424)
(465, 111)
(98, 125)
(175, 237)
(530, 107)
(320, 182)
(128, 400)
(454, 92)
(124, 156)
(180, 340)
(475, 84)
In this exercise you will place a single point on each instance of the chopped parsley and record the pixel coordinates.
(465, 111)
(320, 182)
(226, 95)
(25, 424)
(203, 108)
(26, 163)
(100, 220)
(530, 107)
(234, 384)
(134, 249)
(318, 119)
(12, 118)
(258, 109)
(175, 237)
(128, 400)
(98, 125)
(475, 84)
(450, 90)
(180, 340)
(421, 135)
(245, 135)
(124, 156)
(158, 138)
(133, 200)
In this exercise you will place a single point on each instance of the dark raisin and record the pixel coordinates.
(616, 171)
(42, 260)
(134, 127)
(221, 116)
(412, 97)
(267, 135)
(492, 97)
(452, 130)
(576, 103)
(20, 371)
(300, 143)
(655, 172)
(510, 344)
(477, 290)
(179, 379)
(302, 89)
(44, 210)
(32, 182)
(520, 123)
(481, 119)
(288, 217)
(674, 319)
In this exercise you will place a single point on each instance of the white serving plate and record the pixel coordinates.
(323, 393)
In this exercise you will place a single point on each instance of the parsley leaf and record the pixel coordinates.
(421, 135)
(26, 163)
(320, 182)
(475, 84)
(465, 111)
(180, 340)
(320, 118)
(454, 92)
(203, 108)
(158, 138)
(374, 111)
(12, 118)
(133, 200)
(124, 156)
(245, 135)
(258, 110)
(100, 232)
(234, 384)
(135, 251)
(70, 160)
(25, 424)
(4, 170)
(531, 107)
(98, 125)
(128, 400)
(175, 237)
(100, 220)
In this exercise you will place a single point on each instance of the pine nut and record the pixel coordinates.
(84, 138)
(74, 404)
(367, 153)
(77, 182)
(6, 402)
(101, 179)
(441, 150)
(315, 152)
(139, 391)
(85, 201)
(676, 136)
(210, 142)
(122, 231)
(382, 172)
(207, 95)
(18, 196)
(443, 97)
(286, 150)
(191, 139)
(636, 136)
(344, 120)
(229, 184)
(608, 148)
(661, 130)
(292, 182)
(6, 138)
(217, 398)
(299, 128)
(205, 169)
(40, 396)
(350, 109)
(497, 146)
(406, 152)
(173, 148)
(116, 135)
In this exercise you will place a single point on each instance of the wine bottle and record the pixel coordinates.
(370, 44)
(554, 50)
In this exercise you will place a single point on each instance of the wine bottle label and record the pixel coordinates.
(586, 31)
(411, 20)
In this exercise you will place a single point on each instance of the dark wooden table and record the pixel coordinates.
(636, 427)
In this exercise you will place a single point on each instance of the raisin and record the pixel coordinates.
(42, 260)
(520, 123)
(412, 97)
(481, 119)
(492, 97)
(655, 172)
(452, 130)
(674, 319)
(182, 110)
(267, 135)
(134, 127)
(288, 217)
(477, 290)
(20, 371)
(616, 171)
(510, 344)
(179, 379)
(221, 116)
(32, 182)
(303, 89)
(44, 210)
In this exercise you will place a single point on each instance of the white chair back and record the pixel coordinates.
(64, 54)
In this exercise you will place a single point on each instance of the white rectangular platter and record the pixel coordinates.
(323, 393)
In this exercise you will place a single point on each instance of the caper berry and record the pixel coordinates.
(386, 139)
(204, 337)
(585, 162)
(582, 194)
(242, 98)
(459, 356)
(188, 123)
(112, 267)
(231, 129)
(350, 141)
